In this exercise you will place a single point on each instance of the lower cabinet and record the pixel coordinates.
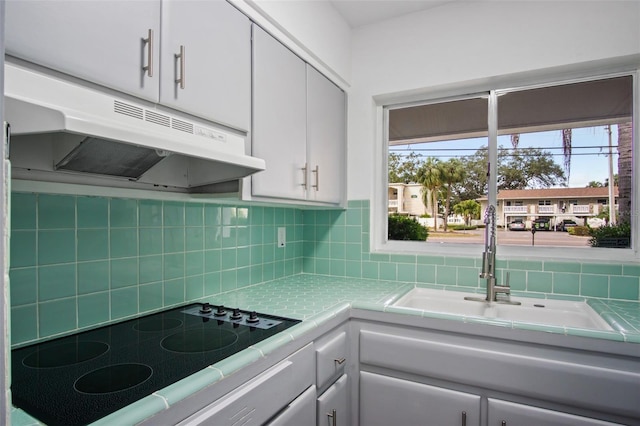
(333, 405)
(301, 412)
(504, 413)
(256, 402)
(387, 400)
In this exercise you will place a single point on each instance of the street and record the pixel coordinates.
(520, 238)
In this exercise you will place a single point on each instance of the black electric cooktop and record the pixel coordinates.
(78, 379)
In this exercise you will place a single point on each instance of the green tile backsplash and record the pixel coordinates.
(326, 232)
(80, 261)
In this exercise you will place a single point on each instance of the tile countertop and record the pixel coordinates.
(316, 299)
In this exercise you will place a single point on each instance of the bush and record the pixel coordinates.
(617, 236)
(405, 228)
(463, 227)
(580, 231)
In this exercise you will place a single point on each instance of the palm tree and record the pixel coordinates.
(566, 151)
(624, 171)
(452, 173)
(625, 162)
(467, 209)
(430, 176)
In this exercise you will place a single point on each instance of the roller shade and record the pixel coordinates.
(597, 102)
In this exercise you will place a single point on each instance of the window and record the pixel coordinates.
(525, 150)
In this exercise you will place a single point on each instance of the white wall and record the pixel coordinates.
(314, 26)
(465, 41)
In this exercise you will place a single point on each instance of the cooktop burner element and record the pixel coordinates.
(76, 380)
(199, 340)
(113, 378)
(65, 354)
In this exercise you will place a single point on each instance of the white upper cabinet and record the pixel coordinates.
(279, 119)
(298, 127)
(325, 138)
(211, 78)
(98, 41)
(127, 46)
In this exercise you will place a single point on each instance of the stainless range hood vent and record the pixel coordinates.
(72, 133)
(103, 157)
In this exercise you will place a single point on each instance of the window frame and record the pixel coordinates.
(504, 84)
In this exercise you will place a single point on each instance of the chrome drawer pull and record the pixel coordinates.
(304, 176)
(333, 416)
(317, 172)
(149, 41)
(180, 56)
(339, 361)
(464, 418)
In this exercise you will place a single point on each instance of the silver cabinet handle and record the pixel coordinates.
(180, 57)
(464, 418)
(149, 42)
(340, 361)
(304, 176)
(504, 423)
(332, 415)
(7, 141)
(317, 172)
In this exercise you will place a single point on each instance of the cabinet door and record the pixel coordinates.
(333, 405)
(390, 401)
(215, 68)
(331, 359)
(325, 138)
(99, 41)
(503, 413)
(279, 118)
(302, 411)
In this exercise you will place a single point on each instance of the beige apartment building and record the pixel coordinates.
(406, 198)
(579, 204)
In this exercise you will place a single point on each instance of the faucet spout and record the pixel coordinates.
(489, 255)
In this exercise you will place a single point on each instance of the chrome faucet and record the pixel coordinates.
(488, 271)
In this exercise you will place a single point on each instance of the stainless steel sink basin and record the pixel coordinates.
(536, 311)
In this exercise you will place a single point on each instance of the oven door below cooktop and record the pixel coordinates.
(81, 378)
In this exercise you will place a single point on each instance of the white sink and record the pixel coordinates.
(537, 311)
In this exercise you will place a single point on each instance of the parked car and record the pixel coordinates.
(566, 224)
(541, 224)
(517, 225)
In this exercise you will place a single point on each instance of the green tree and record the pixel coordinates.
(595, 184)
(528, 168)
(430, 176)
(404, 168)
(468, 209)
(452, 173)
(523, 168)
(615, 181)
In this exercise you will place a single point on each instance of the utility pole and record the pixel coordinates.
(612, 206)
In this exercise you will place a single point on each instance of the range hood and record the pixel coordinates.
(67, 132)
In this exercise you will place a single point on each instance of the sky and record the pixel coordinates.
(589, 159)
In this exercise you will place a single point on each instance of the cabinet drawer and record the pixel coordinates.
(331, 358)
(260, 398)
(302, 411)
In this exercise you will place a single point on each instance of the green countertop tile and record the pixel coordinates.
(316, 299)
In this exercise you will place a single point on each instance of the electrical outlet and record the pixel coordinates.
(282, 236)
